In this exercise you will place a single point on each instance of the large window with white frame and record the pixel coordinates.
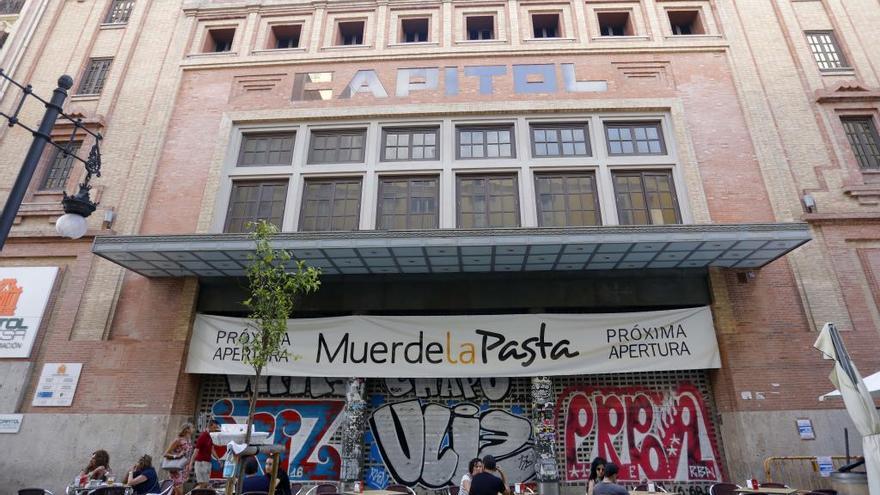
(455, 172)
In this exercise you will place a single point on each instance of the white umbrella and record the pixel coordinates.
(871, 382)
(857, 399)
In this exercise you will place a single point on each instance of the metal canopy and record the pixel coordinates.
(745, 246)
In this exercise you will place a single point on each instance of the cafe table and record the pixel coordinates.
(85, 490)
(767, 490)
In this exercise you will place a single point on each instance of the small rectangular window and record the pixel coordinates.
(826, 51)
(646, 198)
(284, 37)
(488, 201)
(95, 76)
(59, 168)
(330, 204)
(567, 199)
(337, 146)
(350, 33)
(407, 144)
(635, 139)
(485, 142)
(120, 11)
(685, 22)
(251, 201)
(615, 24)
(864, 141)
(408, 203)
(560, 140)
(219, 40)
(414, 30)
(480, 27)
(546, 25)
(263, 150)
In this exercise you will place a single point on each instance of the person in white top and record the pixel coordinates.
(475, 467)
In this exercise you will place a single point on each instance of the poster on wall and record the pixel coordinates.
(57, 385)
(24, 294)
(467, 346)
(10, 423)
(651, 434)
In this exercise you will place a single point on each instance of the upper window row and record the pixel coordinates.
(475, 27)
(569, 139)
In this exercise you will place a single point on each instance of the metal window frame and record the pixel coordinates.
(410, 131)
(667, 172)
(297, 26)
(631, 126)
(843, 62)
(334, 181)
(359, 131)
(383, 179)
(566, 175)
(261, 183)
(865, 136)
(60, 158)
(484, 128)
(341, 37)
(95, 76)
(119, 12)
(534, 126)
(268, 135)
(487, 176)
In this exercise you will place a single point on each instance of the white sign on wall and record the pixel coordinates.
(57, 384)
(467, 346)
(10, 423)
(24, 294)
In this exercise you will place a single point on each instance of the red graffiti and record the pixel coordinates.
(654, 435)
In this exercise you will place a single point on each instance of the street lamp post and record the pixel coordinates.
(76, 207)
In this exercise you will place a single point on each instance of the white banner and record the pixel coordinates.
(24, 293)
(57, 385)
(467, 346)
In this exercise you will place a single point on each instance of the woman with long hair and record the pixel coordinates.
(597, 472)
(182, 446)
(475, 467)
(98, 467)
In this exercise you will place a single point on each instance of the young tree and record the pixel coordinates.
(275, 281)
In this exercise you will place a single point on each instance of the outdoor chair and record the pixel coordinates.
(108, 490)
(773, 485)
(295, 488)
(823, 491)
(322, 489)
(203, 491)
(400, 489)
(34, 491)
(452, 490)
(254, 493)
(641, 488)
(166, 487)
(723, 489)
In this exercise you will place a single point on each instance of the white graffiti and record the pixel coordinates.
(431, 444)
(448, 388)
(289, 385)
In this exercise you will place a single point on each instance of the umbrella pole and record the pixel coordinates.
(846, 441)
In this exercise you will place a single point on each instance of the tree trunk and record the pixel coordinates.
(255, 390)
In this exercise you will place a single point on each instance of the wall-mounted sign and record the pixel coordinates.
(10, 423)
(467, 346)
(826, 466)
(57, 384)
(805, 429)
(24, 293)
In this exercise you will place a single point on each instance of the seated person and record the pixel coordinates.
(98, 467)
(282, 482)
(253, 481)
(142, 477)
(609, 486)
